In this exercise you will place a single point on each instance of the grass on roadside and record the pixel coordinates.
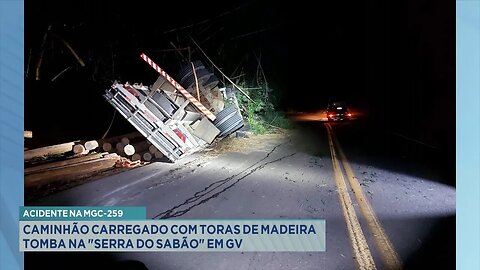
(260, 112)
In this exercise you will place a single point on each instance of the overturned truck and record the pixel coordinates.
(171, 117)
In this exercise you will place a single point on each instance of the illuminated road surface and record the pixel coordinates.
(405, 219)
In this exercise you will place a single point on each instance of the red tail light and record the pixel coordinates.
(330, 115)
(349, 114)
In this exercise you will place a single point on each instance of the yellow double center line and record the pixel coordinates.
(363, 257)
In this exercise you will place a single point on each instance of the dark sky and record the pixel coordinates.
(397, 60)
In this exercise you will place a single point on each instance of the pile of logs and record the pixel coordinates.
(133, 146)
(82, 159)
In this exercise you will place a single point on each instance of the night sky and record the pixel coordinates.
(396, 61)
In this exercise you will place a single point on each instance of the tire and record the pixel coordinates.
(223, 113)
(190, 74)
(233, 125)
(228, 120)
(211, 82)
(186, 69)
(202, 76)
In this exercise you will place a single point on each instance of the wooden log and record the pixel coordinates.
(107, 147)
(71, 172)
(147, 156)
(115, 139)
(119, 146)
(141, 146)
(136, 157)
(27, 134)
(125, 140)
(158, 155)
(79, 149)
(49, 150)
(58, 164)
(152, 149)
(91, 145)
(129, 149)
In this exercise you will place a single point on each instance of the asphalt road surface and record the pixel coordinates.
(388, 203)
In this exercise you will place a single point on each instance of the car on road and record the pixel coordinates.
(338, 111)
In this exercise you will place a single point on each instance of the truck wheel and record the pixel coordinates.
(185, 70)
(228, 120)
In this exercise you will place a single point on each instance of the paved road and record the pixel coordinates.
(287, 176)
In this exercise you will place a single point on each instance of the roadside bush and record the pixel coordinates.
(260, 112)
